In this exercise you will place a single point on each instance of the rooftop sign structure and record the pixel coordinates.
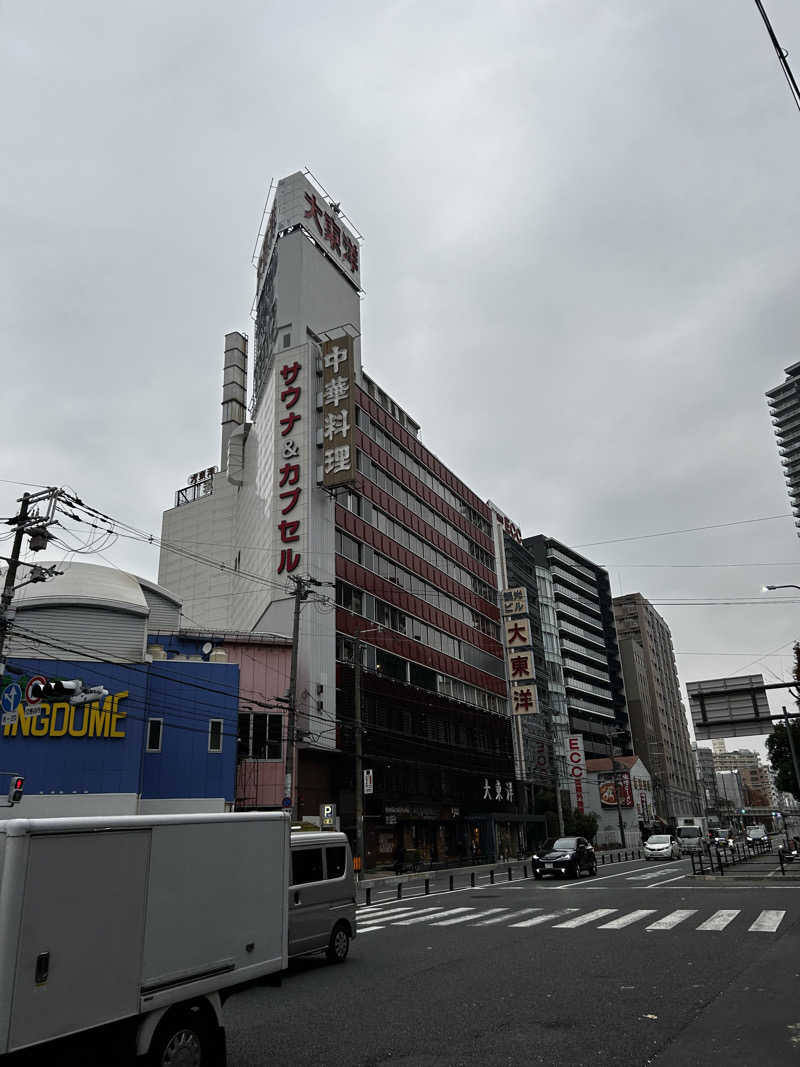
(729, 707)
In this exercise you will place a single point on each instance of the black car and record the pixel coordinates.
(564, 857)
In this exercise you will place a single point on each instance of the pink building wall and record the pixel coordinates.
(263, 675)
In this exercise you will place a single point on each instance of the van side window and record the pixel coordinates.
(336, 857)
(306, 865)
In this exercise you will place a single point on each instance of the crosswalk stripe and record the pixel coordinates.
(582, 920)
(669, 922)
(410, 914)
(420, 918)
(627, 920)
(468, 918)
(537, 919)
(719, 920)
(384, 914)
(368, 929)
(767, 922)
(505, 918)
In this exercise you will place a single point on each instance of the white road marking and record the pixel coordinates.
(537, 919)
(512, 915)
(468, 918)
(719, 920)
(655, 885)
(582, 920)
(657, 873)
(767, 922)
(669, 922)
(367, 930)
(408, 915)
(626, 920)
(384, 914)
(589, 882)
(426, 917)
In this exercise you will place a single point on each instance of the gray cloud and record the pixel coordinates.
(579, 259)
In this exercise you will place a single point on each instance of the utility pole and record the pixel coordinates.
(612, 746)
(793, 752)
(359, 757)
(358, 746)
(300, 594)
(11, 576)
(35, 526)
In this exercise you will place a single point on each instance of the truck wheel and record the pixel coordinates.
(339, 944)
(182, 1039)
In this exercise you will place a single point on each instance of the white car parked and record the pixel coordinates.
(662, 847)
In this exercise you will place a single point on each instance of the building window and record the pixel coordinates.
(260, 736)
(215, 735)
(154, 732)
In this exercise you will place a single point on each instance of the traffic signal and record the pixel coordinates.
(55, 689)
(15, 789)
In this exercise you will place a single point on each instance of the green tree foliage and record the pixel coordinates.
(780, 756)
(581, 824)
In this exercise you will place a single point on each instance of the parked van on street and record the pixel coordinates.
(322, 895)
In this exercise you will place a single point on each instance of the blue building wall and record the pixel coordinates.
(100, 748)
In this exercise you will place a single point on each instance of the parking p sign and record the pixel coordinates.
(327, 816)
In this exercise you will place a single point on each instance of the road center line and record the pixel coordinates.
(655, 885)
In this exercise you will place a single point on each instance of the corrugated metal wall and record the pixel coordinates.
(164, 614)
(77, 632)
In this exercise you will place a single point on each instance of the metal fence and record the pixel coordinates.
(757, 856)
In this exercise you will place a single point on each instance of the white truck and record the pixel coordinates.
(137, 926)
(690, 832)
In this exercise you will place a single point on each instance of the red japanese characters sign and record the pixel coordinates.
(299, 203)
(290, 435)
(608, 790)
(338, 413)
(576, 768)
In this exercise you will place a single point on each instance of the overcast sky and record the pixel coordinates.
(580, 260)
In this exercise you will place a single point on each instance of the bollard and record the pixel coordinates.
(451, 883)
(491, 877)
(524, 870)
(619, 857)
(399, 890)
(427, 886)
(509, 874)
(603, 858)
(472, 879)
(369, 895)
(626, 856)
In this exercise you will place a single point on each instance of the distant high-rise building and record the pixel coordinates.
(580, 643)
(667, 735)
(704, 765)
(757, 785)
(784, 405)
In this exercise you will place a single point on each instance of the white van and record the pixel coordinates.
(322, 895)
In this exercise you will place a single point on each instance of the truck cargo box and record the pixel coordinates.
(108, 919)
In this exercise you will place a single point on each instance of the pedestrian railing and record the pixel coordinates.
(710, 859)
(448, 880)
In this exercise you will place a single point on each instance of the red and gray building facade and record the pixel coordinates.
(323, 476)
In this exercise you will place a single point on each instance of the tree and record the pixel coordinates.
(580, 824)
(780, 756)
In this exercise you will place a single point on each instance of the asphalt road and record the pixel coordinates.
(639, 965)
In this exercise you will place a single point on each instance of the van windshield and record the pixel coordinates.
(688, 831)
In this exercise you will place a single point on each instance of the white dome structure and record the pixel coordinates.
(90, 612)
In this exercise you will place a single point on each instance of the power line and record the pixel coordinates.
(782, 55)
(690, 529)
